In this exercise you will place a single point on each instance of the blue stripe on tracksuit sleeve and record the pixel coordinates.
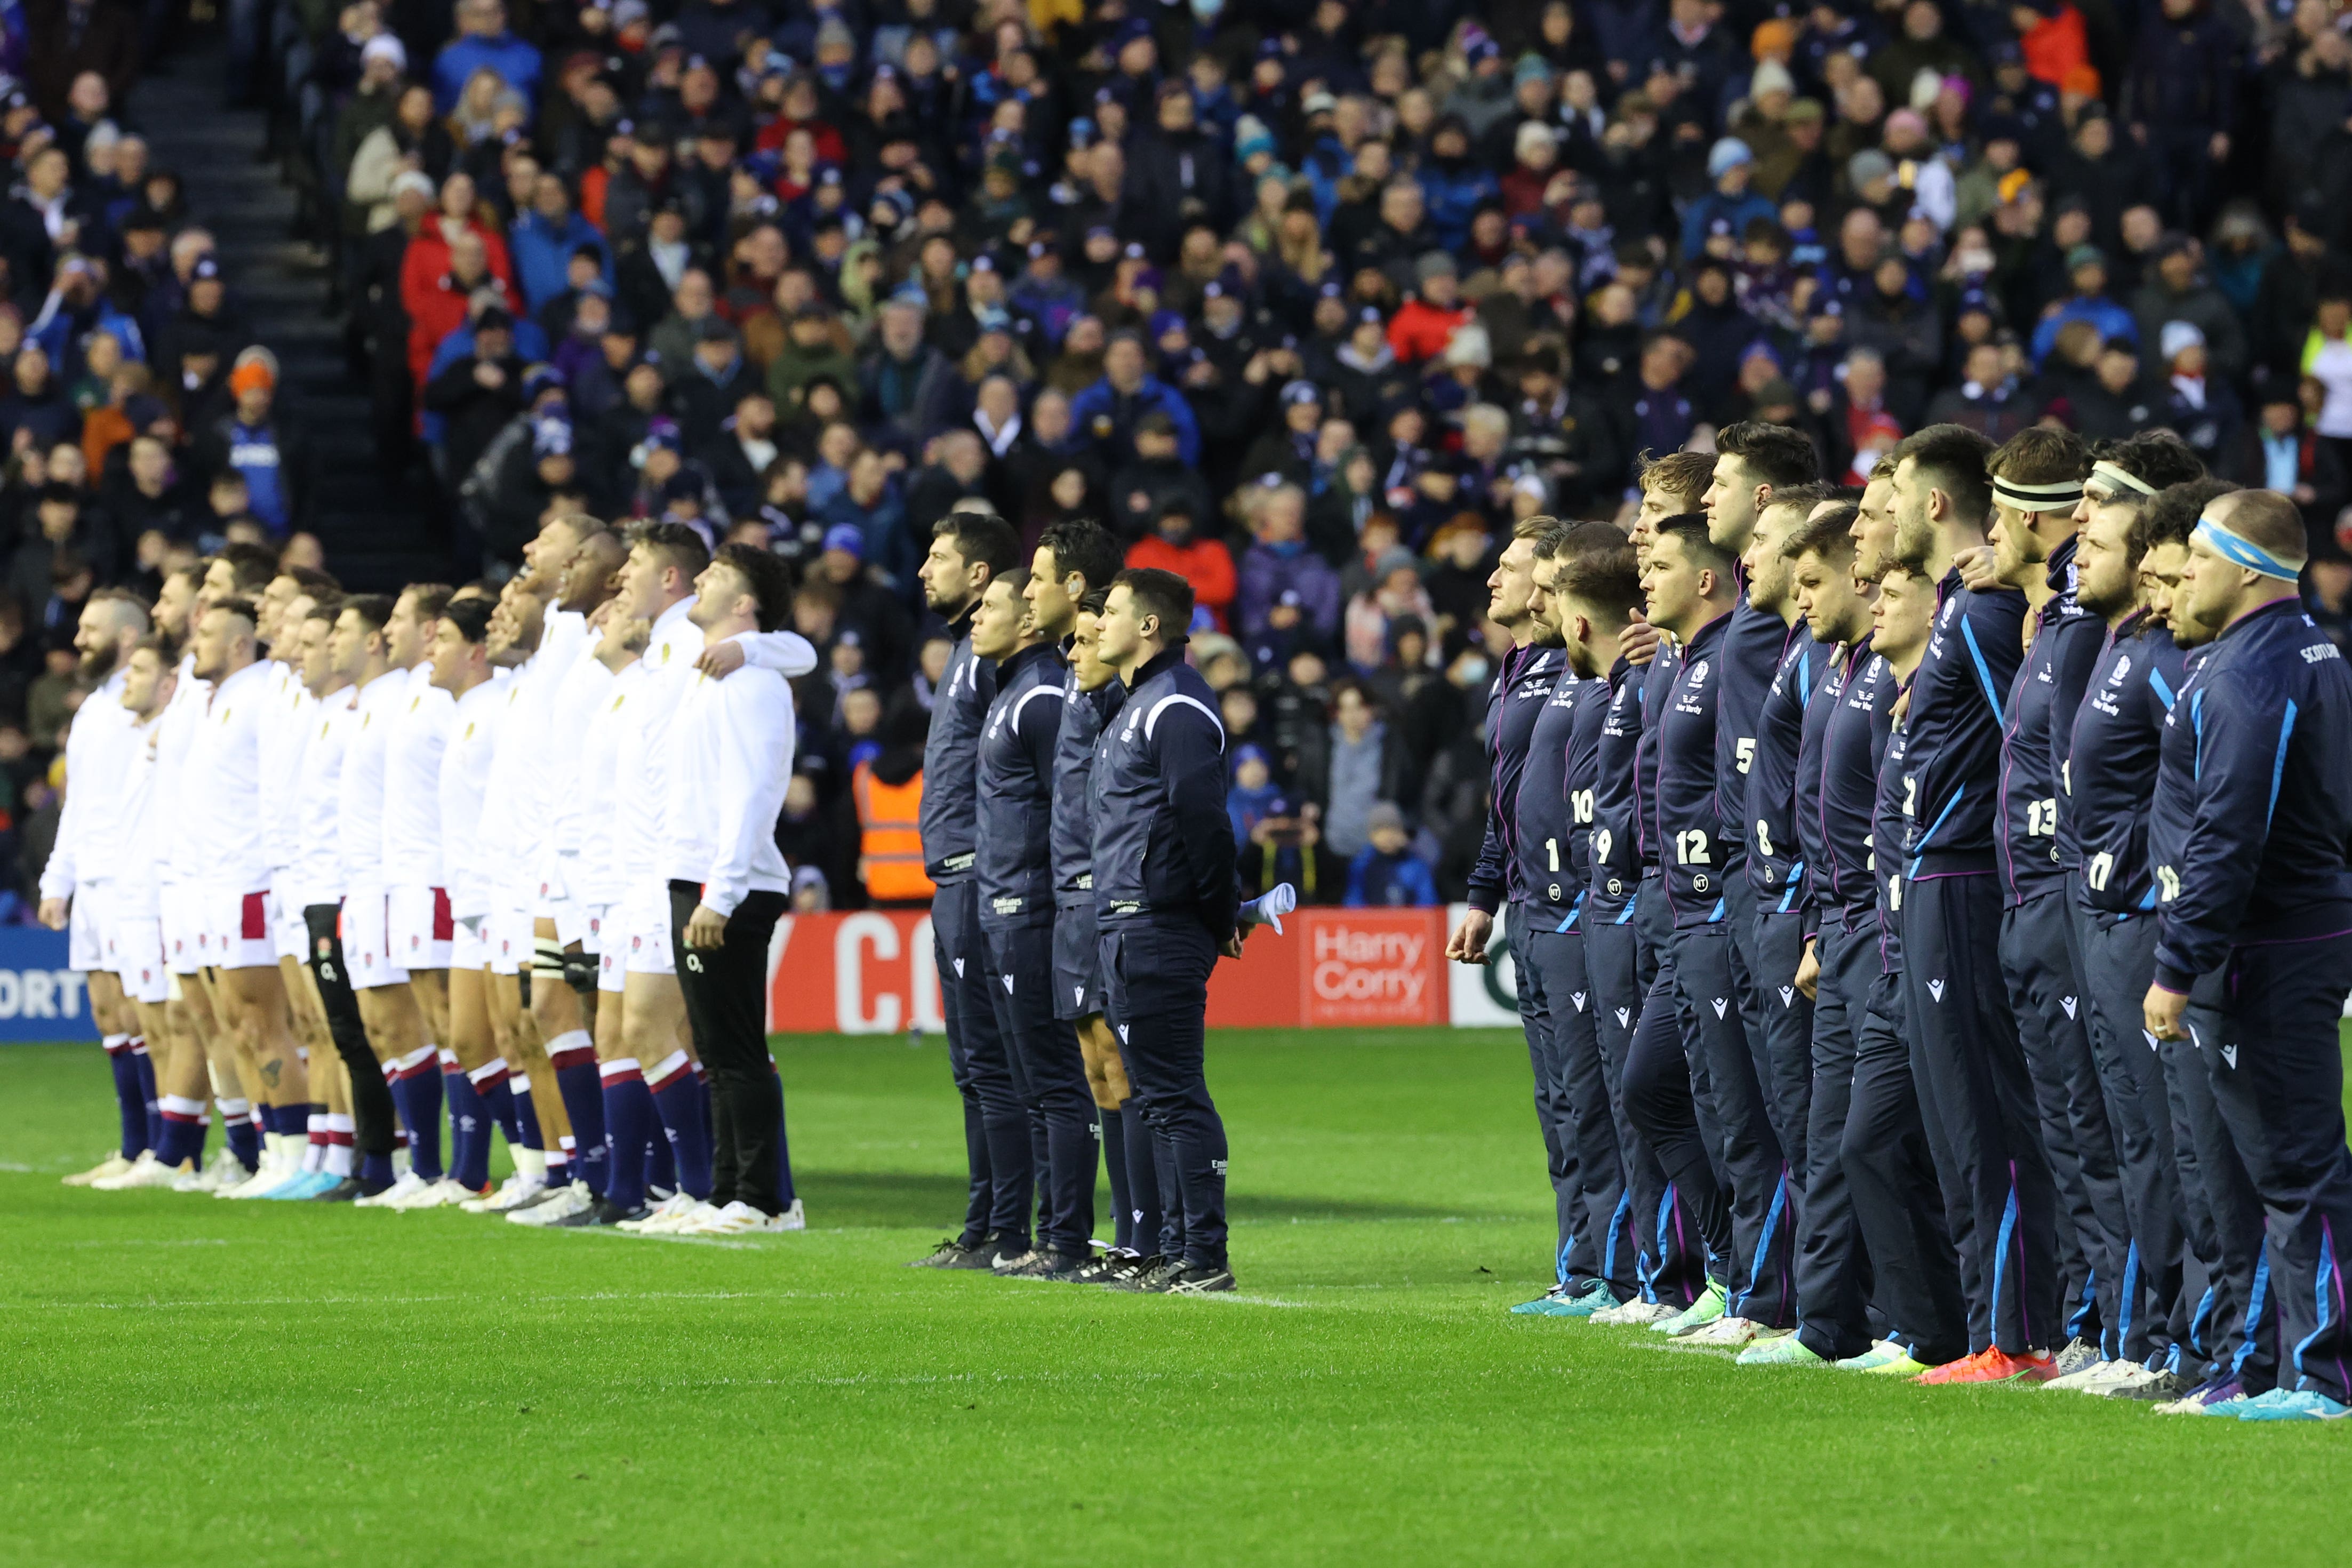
(1984, 673)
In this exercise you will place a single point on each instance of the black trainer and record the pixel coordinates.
(601, 1215)
(1095, 1270)
(943, 1256)
(995, 1247)
(1198, 1280)
(1139, 1274)
(1046, 1263)
(342, 1192)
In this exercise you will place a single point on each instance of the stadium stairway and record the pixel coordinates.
(369, 525)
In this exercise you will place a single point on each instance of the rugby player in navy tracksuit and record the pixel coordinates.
(1069, 574)
(1754, 463)
(1975, 1089)
(2036, 485)
(1555, 805)
(1628, 927)
(2254, 903)
(1166, 900)
(2179, 1304)
(1911, 1224)
(1766, 766)
(967, 550)
(1619, 960)
(1691, 1085)
(1823, 836)
(1508, 865)
(1015, 873)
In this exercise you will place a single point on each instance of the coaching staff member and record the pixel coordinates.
(1166, 901)
(968, 550)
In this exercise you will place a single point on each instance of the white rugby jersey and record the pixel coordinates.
(91, 825)
(363, 785)
(317, 871)
(177, 786)
(731, 751)
(285, 725)
(579, 696)
(223, 785)
(412, 782)
(642, 784)
(133, 891)
(470, 747)
(600, 877)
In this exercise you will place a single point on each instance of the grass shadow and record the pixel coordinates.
(906, 1200)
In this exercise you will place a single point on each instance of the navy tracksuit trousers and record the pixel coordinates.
(1832, 1266)
(1156, 996)
(2268, 1029)
(1621, 957)
(1890, 1171)
(2173, 1251)
(1050, 1074)
(1975, 1085)
(1596, 1214)
(996, 1134)
(2092, 1231)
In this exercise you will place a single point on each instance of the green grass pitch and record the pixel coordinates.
(184, 1382)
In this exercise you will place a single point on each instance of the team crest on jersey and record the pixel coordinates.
(2122, 668)
(1699, 673)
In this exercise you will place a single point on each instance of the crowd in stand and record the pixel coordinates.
(1308, 300)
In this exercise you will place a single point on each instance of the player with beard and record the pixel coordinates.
(1071, 571)
(2036, 488)
(1515, 703)
(2248, 836)
(1765, 647)
(1973, 1080)
(2181, 1169)
(968, 550)
(79, 885)
(563, 977)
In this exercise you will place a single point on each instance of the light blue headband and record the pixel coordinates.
(2240, 551)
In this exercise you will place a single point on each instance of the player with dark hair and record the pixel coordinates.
(1167, 903)
(1975, 1088)
(1069, 576)
(2248, 835)
(968, 550)
(728, 886)
(1531, 874)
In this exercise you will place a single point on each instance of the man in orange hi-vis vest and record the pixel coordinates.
(890, 836)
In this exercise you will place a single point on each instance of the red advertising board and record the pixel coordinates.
(873, 973)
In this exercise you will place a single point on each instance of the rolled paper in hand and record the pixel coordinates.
(1269, 906)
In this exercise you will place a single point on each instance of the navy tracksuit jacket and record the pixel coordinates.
(995, 1124)
(2253, 816)
(1973, 1076)
(1165, 897)
(2073, 1096)
(1014, 866)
